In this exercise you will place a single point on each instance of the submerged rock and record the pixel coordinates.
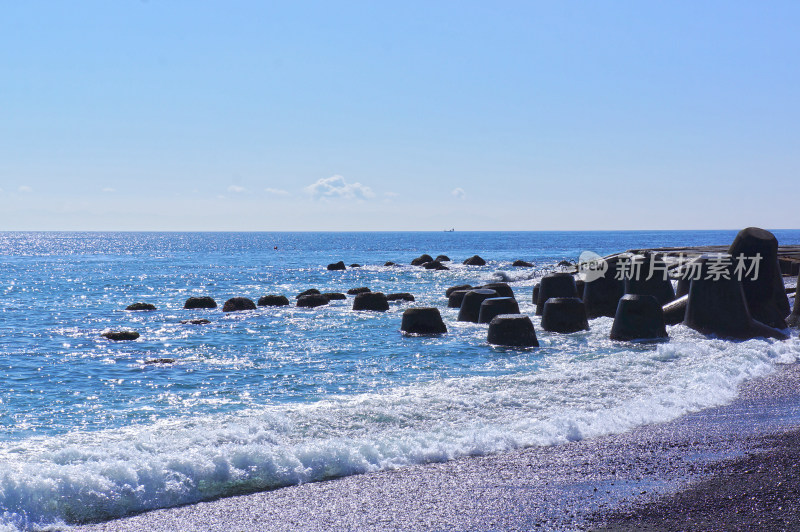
(522, 264)
(312, 301)
(141, 306)
(273, 300)
(196, 322)
(422, 259)
(237, 304)
(337, 266)
(121, 336)
(309, 292)
(160, 361)
(442, 258)
(512, 330)
(424, 320)
(435, 265)
(334, 296)
(475, 260)
(400, 296)
(200, 302)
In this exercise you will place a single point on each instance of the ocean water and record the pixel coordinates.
(279, 396)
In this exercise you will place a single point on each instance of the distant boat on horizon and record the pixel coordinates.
(449, 230)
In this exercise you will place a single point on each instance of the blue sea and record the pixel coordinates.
(278, 396)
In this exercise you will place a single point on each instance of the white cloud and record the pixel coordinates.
(109, 190)
(459, 193)
(236, 188)
(391, 194)
(276, 191)
(337, 187)
(25, 189)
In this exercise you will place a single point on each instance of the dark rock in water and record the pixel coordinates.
(535, 293)
(502, 289)
(456, 298)
(794, 318)
(658, 284)
(389, 263)
(435, 265)
(522, 264)
(273, 300)
(309, 292)
(160, 361)
(200, 302)
(494, 306)
(374, 301)
(475, 260)
(580, 284)
(718, 306)
(312, 300)
(400, 296)
(639, 317)
(602, 294)
(564, 315)
(555, 285)
(141, 306)
(764, 293)
(337, 266)
(422, 259)
(236, 304)
(423, 321)
(196, 322)
(457, 287)
(356, 291)
(121, 336)
(355, 265)
(334, 296)
(513, 330)
(471, 305)
(442, 258)
(565, 263)
(675, 311)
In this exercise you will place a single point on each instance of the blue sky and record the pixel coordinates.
(203, 115)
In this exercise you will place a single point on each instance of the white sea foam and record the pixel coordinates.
(575, 394)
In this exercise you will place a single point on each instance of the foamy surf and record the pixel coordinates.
(574, 392)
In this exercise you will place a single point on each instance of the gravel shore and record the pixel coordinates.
(732, 467)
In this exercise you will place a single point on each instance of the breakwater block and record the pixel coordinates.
(471, 305)
(560, 284)
(766, 298)
(602, 295)
(675, 311)
(457, 287)
(200, 302)
(648, 276)
(494, 306)
(719, 306)
(273, 300)
(456, 298)
(236, 304)
(502, 289)
(638, 317)
(423, 320)
(372, 301)
(564, 315)
(512, 330)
